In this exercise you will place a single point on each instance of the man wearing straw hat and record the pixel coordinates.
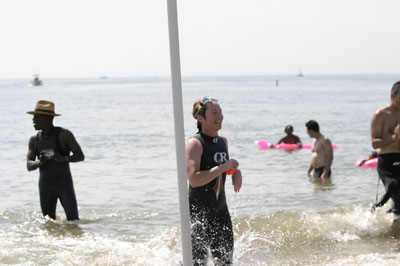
(49, 150)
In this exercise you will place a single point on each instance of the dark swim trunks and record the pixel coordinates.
(318, 172)
(389, 172)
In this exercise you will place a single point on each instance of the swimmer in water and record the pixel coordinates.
(371, 156)
(290, 138)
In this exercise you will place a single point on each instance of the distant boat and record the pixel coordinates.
(36, 81)
(300, 74)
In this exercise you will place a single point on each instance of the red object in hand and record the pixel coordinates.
(230, 171)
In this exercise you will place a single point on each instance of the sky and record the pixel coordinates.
(129, 38)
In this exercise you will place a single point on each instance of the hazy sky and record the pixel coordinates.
(129, 38)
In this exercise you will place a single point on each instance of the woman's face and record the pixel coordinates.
(213, 116)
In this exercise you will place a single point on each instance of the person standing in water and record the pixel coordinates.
(385, 138)
(208, 162)
(322, 152)
(49, 150)
(290, 138)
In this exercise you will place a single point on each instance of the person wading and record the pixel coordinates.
(208, 163)
(385, 138)
(50, 151)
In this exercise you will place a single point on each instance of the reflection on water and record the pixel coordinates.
(321, 184)
(395, 229)
(61, 228)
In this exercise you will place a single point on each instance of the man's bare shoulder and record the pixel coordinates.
(66, 137)
(327, 140)
(32, 139)
(386, 110)
(65, 133)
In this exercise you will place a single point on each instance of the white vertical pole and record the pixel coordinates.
(179, 131)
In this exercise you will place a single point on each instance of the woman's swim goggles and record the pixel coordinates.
(203, 102)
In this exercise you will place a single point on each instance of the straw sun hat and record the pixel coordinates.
(44, 107)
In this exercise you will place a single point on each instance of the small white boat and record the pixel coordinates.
(36, 81)
(300, 74)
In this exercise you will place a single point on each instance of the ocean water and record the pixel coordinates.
(127, 185)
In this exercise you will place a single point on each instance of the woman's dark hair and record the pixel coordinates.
(288, 127)
(198, 109)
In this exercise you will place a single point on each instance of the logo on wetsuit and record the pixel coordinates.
(219, 157)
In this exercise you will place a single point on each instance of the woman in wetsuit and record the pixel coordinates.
(207, 163)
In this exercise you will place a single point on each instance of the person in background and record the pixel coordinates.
(208, 163)
(322, 152)
(49, 150)
(290, 138)
(371, 156)
(385, 138)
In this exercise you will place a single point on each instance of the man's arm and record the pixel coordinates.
(31, 162)
(310, 167)
(328, 150)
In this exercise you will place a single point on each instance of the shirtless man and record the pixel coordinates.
(49, 150)
(385, 138)
(322, 152)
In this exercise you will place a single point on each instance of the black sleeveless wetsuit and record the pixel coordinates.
(389, 172)
(211, 222)
(55, 180)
